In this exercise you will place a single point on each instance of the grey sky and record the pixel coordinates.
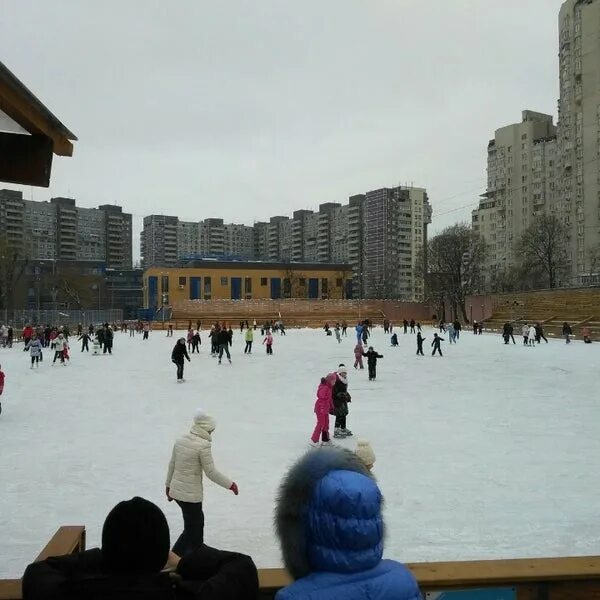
(247, 109)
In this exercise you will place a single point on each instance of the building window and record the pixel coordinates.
(248, 285)
(207, 288)
(164, 282)
(263, 281)
(224, 281)
(182, 280)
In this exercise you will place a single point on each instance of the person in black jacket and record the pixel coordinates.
(412, 325)
(179, 353)
(85, 339)
(135, 549)
(567, 332)
(372, 357)
(224, 340)
(108, 339)
(341, 398)
(437, 340)
(405, 325)
(196, 342)
(420, 340)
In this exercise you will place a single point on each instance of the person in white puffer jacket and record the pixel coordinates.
(191, 457)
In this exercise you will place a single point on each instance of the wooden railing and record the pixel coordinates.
(576, 578)
(67, 540)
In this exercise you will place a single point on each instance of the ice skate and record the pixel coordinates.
(327, 443)
(312, 444)
(339, 433)
(346, 433)
(229, 360)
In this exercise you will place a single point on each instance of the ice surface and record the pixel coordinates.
(490, 451)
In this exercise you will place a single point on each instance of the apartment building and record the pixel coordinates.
(60, 230)
(159, 241)
(579, 135)
(521, 181)
(395, 230)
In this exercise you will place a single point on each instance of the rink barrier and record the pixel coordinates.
(568, 578)
(69, 539)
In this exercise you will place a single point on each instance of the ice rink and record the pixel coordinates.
(492, 451)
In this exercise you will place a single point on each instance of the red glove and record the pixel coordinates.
(168, 495)
(234, 488)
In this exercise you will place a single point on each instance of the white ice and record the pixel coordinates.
(491, 451)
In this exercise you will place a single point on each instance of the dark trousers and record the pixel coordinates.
(195, 347)
(248, 348)
(340, 422)
(420, 349)
(437, 349)
(107, 347)
(59, 354)
(145, 335)
(372, 371)
(192, 536)
(224, 348)
(269, 348)
(34, 359)
(179, 369)
(84, 346)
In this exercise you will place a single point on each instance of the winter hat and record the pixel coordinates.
(342, 369)
(203, 421)
(331, 378)
(364, 451)
(135, 538)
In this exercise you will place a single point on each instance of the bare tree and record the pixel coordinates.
(543, 247)
(455, 260)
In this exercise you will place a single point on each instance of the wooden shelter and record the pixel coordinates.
(29, 134)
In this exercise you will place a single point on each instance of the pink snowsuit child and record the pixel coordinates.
(268, 341)
(358, 356)
(323, 407)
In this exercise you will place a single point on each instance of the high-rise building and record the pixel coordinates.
(521, 175)
(159, 241)
(394, 231)
(579, 135)
(60, 230)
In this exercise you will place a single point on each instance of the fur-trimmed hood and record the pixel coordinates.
(328, 514)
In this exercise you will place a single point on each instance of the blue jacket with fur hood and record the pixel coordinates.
(329, 523)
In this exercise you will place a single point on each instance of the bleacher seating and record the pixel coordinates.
(552, 308)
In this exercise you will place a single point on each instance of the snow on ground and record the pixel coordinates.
(491, 451)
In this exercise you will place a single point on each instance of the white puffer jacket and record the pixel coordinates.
(191, 456)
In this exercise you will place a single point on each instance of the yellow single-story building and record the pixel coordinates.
(237, 280)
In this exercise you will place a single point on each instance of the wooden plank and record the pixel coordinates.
(67, 540)
(10, 589)
(25, 159)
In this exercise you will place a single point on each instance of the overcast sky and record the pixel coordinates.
(248, 109)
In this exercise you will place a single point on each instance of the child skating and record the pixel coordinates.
(323, 407)
(372, 357)
(437, 341)
(420, 340)
(358, 356)
(268, 341)
(35, 351)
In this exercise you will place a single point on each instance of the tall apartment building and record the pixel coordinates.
(394, 231)
(159, 241)
(60, 230)
(521, 181)
(579, 135)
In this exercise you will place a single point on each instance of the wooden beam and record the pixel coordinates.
(19, 110)
(25, 159)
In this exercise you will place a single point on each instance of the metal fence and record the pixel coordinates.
(18, 318)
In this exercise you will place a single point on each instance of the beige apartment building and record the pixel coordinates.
(521, 181)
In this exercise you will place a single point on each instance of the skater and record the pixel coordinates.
(196, 342)
(323, 408)
(567, 332)
(386, 326)
(372, 357)
(419, 328)
(241, 326)
(341, 398)
(2, 377)
(268, 341)
(191, 457)
(59, 348)
(364, 451)
(79, 328)
(224, 339)
(249, 339)
(254, 324)
(345, 328)
(394, 339)
(531, 335)
(214, 344)
(412, 326)
(66, 349)
(108, 339)
(437, 341)
(27, 333)
(525, 333)
(451, 333)
(586, 334)
(170, 330)
(442, 326)
(405, 326)
(189, 337)
(457, 330)
(358, 355)
(330, 526)
(177, 356)
(338, 335)
(35, 350)
(282, 328)
(84, 338)
(359, 332)
(146, 331)
(539, 330)
(420, 340)
(365, 334)
(505, 334)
